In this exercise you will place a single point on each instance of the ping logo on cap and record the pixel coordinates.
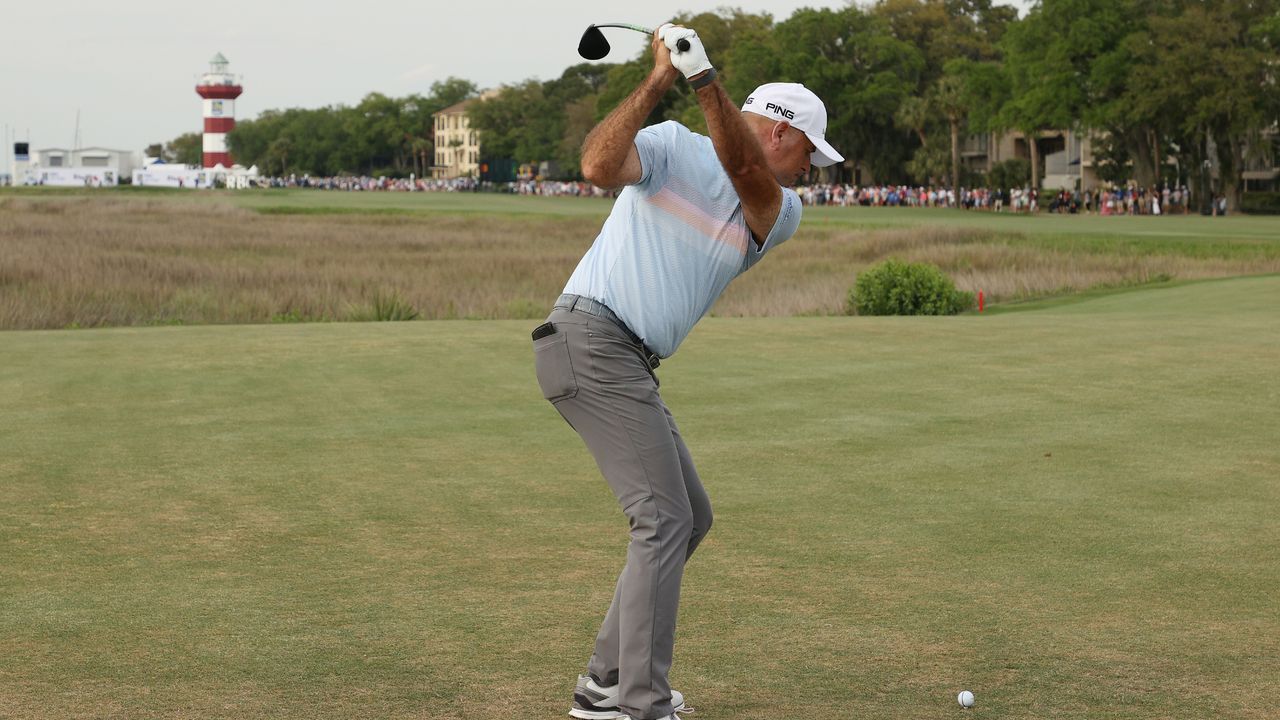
(774, 107)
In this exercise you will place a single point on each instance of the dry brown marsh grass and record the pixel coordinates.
(106, 262)
(91, 262)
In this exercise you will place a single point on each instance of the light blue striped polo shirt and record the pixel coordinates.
(674, 240)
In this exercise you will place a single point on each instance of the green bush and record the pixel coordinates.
(897, 288)
(1261, 203)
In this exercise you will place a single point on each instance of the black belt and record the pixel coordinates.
(600, 310)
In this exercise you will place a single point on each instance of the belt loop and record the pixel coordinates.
(574, 302)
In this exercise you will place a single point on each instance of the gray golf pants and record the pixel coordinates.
(598, 380)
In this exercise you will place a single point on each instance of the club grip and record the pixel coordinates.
(682, 45)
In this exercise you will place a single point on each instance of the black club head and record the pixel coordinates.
(593, 46)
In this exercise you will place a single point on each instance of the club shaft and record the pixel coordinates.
(683, 44)
(628, 26)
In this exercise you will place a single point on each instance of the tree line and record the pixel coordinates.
(380, 135)
(905, 82)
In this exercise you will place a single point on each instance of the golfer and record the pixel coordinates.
(695, 213)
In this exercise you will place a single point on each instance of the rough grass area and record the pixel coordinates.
(1070, 512)
(120, 259)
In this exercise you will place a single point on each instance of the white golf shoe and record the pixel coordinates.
(592, 701)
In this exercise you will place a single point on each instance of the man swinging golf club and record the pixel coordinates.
(696, 212)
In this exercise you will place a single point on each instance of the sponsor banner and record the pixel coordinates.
(173, 176)
(76, 177)
(190, 178)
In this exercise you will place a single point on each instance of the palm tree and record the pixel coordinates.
(948, 95)
(912, 115)
(421, 151)
(280, 148)
(456, 160)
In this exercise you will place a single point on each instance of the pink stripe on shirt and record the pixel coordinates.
(731, 234)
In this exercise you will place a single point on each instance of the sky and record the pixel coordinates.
(129, 68)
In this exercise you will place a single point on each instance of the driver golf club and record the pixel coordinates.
(593, 46)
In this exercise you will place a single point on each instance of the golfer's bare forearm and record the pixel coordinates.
(742, 157)
(607, 147)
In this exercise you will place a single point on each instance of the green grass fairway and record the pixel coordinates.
(1071, 512)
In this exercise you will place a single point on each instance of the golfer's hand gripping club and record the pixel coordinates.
(687, 53)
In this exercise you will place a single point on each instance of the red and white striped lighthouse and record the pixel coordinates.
(219, 90)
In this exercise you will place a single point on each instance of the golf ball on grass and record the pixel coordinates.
(965, 699)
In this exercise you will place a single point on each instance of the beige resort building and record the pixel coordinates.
(457, 145)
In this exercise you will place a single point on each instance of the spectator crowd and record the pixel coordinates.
(344, 183)
(1129, 200)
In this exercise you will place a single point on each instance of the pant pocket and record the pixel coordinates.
(554, 368)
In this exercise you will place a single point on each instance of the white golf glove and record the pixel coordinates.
(691, 61)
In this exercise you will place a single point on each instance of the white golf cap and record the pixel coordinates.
(796, 104)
